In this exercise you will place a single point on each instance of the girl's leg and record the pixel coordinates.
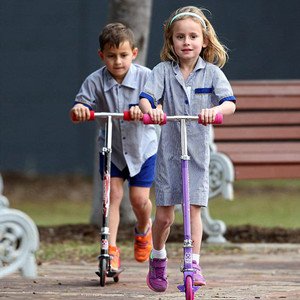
(116, 195)
(164, 218)
(157, 279)
(142, 207)
(196, 228)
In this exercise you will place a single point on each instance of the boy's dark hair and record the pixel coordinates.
(114, 34)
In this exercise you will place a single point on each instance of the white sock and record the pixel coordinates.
(196, 257)
(159, 253)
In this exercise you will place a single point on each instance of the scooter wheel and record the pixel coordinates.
(102, 271)
(189, 294)
(116, 278)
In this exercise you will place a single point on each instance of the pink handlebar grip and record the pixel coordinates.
(218, 119)
(92, 116)
(147, 119)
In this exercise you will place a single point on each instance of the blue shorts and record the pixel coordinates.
(143, 179)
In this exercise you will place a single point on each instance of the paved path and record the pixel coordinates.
(253, 272)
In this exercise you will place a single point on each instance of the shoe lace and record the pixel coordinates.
(141, 244)
(159, 273)
(197, 270)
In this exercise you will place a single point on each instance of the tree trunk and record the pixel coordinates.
(136, 15)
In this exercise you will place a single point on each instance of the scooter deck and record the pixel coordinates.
(112, 273)
(115, 273)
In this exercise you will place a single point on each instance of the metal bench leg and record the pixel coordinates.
(19, 240)
(213, 228)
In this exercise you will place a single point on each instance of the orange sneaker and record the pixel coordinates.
(143, 245)
(114, 254)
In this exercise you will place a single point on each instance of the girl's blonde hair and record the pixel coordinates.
(215, 52)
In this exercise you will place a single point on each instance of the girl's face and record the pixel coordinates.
(118, 60)
(188, 40)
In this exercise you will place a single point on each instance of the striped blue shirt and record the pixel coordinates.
(132, 142)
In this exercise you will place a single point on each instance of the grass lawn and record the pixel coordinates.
(266, 203)
(266, 209)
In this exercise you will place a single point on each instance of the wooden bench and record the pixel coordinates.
(260, 141)
(262, 138)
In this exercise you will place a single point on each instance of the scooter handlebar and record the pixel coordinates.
(126, 116)
(147, 119)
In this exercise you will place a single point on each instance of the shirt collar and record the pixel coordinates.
(129, 80)
(199, 65)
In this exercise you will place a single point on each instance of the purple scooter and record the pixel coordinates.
(188, 272)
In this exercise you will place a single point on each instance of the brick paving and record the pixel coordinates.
(256, 271)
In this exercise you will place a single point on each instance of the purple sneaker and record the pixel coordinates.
(198, 277)
(157, 277)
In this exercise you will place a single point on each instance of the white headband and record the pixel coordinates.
(189, 14)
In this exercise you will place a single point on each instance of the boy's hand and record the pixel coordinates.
(208, 115)
(81, 112)
(135, 113)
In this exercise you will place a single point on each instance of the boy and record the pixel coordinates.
(116, 88)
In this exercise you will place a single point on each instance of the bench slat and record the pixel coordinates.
(259, 133)
(267, 171)
(274, 147)
(263, 118)
(266, 87)
(267, 102)
(264, 158)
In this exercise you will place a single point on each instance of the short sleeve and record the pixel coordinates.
(87, 93)
(154, 87)
(222, 90)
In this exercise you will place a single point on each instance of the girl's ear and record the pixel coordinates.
(205, 42)
(100, 53)
(134, 53)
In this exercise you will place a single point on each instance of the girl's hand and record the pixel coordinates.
(208, 115)
(81, 112)
(135, 113)
(157, 114)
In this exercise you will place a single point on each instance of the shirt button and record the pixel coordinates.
(125, 153)
(124, 137)
(186, 101)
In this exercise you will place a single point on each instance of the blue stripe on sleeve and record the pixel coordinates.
(147, 96)
(230, 98)
(79, 102)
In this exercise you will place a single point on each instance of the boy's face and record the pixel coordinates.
(118, 60)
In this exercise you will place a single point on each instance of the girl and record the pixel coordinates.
(188, 82)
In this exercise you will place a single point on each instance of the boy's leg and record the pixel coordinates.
(140, 186)
(142, 207)
(196, 229)
(116, 195)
